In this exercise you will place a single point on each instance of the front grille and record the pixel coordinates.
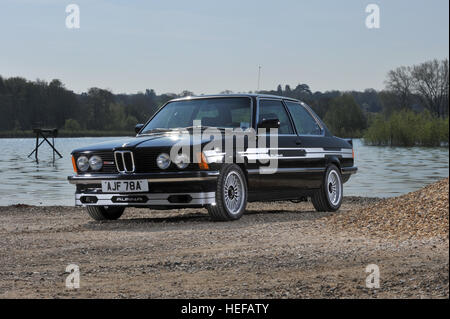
(124, 161)
(145, 161)
(142, 160)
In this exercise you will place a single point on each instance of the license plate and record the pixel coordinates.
(125, 186)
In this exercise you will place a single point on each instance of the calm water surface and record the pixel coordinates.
(383, 171)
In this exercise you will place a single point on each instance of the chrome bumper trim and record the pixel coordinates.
(154, 199)
(150, 180)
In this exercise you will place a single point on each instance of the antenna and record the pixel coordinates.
(259, 77)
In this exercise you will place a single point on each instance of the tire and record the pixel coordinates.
(231, 194)
(329, 197)
(105, 212)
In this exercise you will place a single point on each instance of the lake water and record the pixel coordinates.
(383, 171)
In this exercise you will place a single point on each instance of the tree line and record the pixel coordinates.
(26, 104)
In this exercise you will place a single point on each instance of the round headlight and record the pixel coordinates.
(163, 161)
(181, 161)
(83, 163)
(95, 162)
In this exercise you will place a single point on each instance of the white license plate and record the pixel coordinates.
(125, 186)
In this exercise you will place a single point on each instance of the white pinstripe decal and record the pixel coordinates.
(263, 154)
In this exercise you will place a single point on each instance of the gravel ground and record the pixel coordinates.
(277, 250)
(420, 214)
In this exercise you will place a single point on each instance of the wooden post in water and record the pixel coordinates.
(44, 133)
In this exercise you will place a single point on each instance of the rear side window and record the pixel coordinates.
(275, 109)
(304, 122)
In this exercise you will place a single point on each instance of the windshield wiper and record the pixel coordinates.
(160, 129)
(153, 130)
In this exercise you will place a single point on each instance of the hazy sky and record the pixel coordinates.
(209, 46)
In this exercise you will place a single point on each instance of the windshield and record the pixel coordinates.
(214, 112)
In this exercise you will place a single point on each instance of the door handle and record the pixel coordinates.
(298, 142)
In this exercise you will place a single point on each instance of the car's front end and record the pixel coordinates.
(134, 172)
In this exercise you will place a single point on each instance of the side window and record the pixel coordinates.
(240, 117)
(271, 109)
(304, 122)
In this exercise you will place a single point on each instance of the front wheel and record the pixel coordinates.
(329, 197)
(231, 194)
(105, 212)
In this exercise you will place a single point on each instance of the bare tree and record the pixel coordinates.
(431, 84)
(400, 82)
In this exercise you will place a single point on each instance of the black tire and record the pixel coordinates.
(323, 199)
(235, 196)
(105, 212)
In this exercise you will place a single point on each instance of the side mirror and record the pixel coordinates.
(269, 123)
(138, 128)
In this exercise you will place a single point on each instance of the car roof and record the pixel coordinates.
(250, 95)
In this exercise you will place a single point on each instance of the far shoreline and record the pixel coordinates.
(68, 134)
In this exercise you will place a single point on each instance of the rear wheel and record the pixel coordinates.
(329, 197)
(105, 212)
(231, 194)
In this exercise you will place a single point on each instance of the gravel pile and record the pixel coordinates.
(420, 214)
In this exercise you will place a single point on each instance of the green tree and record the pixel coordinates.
(345, 118)
(72, 125)
(407, 128)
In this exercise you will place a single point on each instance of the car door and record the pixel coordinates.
(276, 183)
(310, 139)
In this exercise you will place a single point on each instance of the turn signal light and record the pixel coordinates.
(74, 164)
(353, 154)
(202, 163)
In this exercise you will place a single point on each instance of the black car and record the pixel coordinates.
(217, 152)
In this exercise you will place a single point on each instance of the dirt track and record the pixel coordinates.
(276, 250)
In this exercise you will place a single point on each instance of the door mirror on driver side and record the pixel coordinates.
(138, 128)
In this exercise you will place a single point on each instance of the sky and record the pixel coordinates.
(208, 46)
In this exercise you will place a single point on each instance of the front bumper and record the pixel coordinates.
(145, 199)
(179, 189)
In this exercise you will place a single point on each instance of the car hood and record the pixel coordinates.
(166, 139)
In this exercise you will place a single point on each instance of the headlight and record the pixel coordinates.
(83, 163)
(163, 161)
(182, 161)
(95, 162)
